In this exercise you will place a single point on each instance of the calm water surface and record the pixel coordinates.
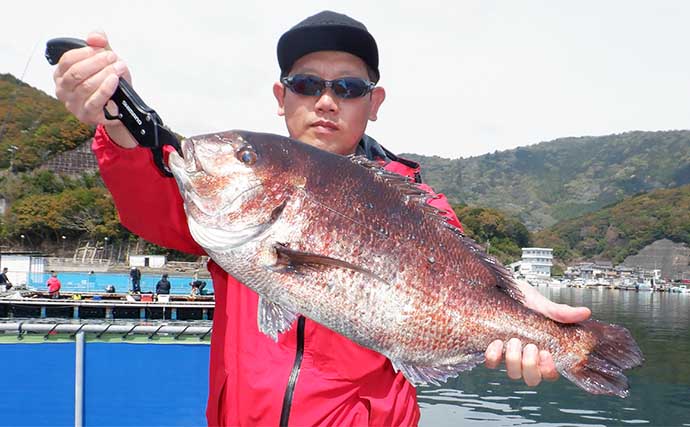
(659, 392)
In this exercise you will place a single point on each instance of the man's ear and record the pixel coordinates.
(378, 95)
(279, 93)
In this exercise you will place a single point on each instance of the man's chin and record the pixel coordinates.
(332, 145)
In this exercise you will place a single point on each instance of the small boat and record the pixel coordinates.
(680, 289)
(643, 286)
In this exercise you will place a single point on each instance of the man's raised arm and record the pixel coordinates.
(148, 203)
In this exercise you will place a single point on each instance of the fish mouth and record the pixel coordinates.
(185, 162)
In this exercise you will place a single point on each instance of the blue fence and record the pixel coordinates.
(125, 384)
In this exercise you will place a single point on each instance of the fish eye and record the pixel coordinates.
(246, 155)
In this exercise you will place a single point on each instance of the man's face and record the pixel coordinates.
(328, 122)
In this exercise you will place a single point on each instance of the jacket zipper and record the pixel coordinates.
(290, 389)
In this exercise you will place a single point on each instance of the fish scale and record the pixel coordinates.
(356, 248)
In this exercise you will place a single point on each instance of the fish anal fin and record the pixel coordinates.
(273, 319)
(424, 375)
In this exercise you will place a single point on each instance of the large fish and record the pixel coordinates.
(357, 249)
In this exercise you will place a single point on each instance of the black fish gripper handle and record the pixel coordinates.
(55, 48)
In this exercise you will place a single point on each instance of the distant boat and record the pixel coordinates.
(681, 289)
(555, 283)
(643, 286)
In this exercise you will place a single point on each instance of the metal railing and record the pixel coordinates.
(48, 328)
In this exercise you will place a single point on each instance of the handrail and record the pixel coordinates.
(24, 327)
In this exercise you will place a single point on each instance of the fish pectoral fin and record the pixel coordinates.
(273, 319)
(290, 260)
(423, 375)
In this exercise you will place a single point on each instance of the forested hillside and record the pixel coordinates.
(496, 195)
(623, 228)
(557, 180)
(34, 126)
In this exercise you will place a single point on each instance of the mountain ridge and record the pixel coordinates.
(555, 180)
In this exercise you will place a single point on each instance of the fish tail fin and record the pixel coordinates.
(601, 372)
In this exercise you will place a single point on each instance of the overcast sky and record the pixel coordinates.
(463, 78)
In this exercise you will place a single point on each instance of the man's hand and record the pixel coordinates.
(86, 78)
(529, 362)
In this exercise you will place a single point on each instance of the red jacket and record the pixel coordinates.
(339, 383)
(53, 284)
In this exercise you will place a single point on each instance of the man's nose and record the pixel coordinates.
(326, 101)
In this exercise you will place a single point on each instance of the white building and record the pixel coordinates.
(155, 261)
(23, 268)
(536, 263)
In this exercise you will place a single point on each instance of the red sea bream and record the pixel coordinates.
(357, 249)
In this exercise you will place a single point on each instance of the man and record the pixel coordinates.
(4, 280)
(135, 276)
(311, 376)
(163, 285)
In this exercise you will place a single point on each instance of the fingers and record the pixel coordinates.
(86, 78)
(514, 358)
(97, 39)
(547, 366)
(531, 372)
(85, 68)
(72, 57)
(93, 106)
(493, 354)
(566, 314)
(559, 312)
(526, 363)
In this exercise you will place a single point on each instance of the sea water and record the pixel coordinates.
(659, 389)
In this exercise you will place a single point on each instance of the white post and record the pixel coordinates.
(79, 380)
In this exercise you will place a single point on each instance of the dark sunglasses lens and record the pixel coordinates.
(350, 87)
(307, 85)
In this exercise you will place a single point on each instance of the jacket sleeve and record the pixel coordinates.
(148, 203)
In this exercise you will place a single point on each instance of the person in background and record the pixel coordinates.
(4, 280)
(197, 286)
(135, 275)
(54, 285)
(163, 285)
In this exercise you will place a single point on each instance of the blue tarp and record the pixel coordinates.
(124, 384)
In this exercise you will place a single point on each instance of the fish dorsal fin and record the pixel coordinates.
(403, 183)
(291, 260)
(504, 278)
(423, 375)
(273, 319)
(413, 193)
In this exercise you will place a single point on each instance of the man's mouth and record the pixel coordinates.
(325, 124)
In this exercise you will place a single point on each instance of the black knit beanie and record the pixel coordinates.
(327, 31)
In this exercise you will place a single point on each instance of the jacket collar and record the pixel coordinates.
(372, 150)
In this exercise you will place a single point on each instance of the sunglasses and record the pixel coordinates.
(346, 87)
